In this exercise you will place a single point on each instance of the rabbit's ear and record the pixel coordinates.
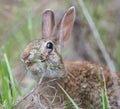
(48, 22)
(67, 24)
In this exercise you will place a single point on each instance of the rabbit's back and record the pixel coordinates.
(84, 83)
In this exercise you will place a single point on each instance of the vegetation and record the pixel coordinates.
(20, 23)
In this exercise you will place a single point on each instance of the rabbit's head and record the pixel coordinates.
(44, 56)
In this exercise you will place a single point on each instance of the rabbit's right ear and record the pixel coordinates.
(67, 24)
(48, 22)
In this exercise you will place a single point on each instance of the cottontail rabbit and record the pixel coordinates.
(81, 80)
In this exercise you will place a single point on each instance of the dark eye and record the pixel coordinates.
(49, 45)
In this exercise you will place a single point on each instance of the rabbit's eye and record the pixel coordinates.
(49, 45)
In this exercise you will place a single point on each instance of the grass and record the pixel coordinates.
(19, 34)
(105, 104)
(14, 44)
(8, 95)
(117, 54)
(104, 99)
(71, 100)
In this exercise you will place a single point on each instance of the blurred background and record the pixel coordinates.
(20, 23)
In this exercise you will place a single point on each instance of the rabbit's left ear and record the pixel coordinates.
(66, 24)
(48, 23)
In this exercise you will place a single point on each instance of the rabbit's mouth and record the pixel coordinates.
(38, 69)
(43, 59)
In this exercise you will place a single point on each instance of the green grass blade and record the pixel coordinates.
(105, 104)
(5, 93)
(72, 101)
(30, 27)
(104, 101)
(13, 89)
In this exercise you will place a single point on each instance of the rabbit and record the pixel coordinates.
(80, 79)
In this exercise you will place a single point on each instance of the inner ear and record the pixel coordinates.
(48, 23)
(66, 24)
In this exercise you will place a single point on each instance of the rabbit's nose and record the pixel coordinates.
(28, 62)
(26, 59)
